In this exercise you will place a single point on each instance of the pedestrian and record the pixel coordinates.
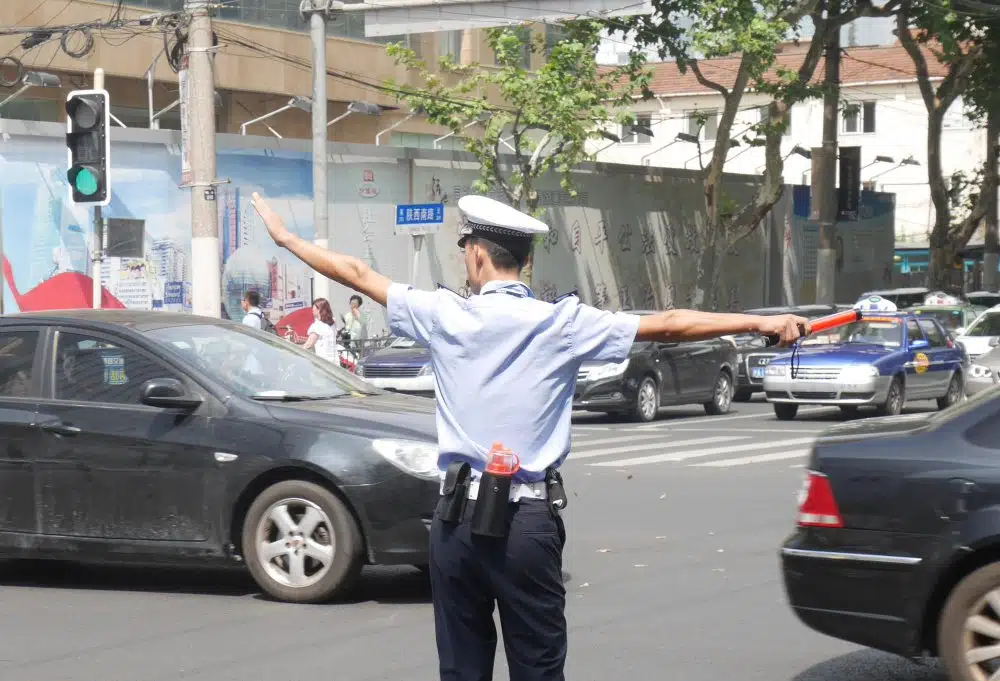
(253, 316)
(506, 366)
(355, 324)
(321, 336)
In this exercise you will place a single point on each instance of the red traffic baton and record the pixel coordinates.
(820, 324)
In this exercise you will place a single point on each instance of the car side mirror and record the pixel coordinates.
(995, 341)
(960, 331)
(917, 344)
(168, 393)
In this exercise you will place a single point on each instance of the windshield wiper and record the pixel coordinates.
(277, 396)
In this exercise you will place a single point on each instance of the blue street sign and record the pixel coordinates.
(420, 214)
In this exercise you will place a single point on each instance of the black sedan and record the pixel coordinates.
(898, 539)
(752, 355)
(157, 438)
(659, 374)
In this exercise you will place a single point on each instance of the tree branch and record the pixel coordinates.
(987, 189)
(705, 82)
(919, 62)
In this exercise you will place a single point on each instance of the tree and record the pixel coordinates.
(530, 122)
(750, 30)
(964, 45)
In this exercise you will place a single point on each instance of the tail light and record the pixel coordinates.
(817, 507)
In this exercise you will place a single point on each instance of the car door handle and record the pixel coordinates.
(60, 428)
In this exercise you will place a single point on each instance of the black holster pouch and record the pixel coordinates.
(554, 489)
(455, 495)
(489, 517)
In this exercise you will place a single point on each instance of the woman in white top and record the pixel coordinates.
(321, 334)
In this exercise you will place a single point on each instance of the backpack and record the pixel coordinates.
(265, 323)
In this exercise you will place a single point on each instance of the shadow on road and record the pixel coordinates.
(871, 665)
(381, 585)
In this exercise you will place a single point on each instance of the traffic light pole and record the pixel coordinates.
(206, 266)
(99, 235)
(315, 10)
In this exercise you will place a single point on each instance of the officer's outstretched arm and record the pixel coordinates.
(691, 325)
(343, 269)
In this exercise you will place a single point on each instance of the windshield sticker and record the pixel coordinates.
(114, 370)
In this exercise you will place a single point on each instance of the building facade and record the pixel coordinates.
(262, 61)
(884, 115)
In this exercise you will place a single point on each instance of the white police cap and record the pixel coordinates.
(875, 304)
(491, 219)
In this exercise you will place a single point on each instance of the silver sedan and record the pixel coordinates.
(984, 372)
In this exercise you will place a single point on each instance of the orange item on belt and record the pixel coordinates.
(503, 462)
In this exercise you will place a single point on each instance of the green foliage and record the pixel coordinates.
(543, 118)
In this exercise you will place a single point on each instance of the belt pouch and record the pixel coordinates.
(489, 517)
(554, 489)
(455, 495)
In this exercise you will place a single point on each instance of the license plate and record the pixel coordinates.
(757, 372)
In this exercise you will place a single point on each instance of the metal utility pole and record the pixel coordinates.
(991, 256)
(100, 234)
(316, 11)
(824, 177)
(206, 266)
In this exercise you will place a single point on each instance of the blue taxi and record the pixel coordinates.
(882, 360)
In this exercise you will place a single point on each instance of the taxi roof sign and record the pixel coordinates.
(941, 298)
(875, 304)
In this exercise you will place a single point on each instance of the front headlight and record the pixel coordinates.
(428, 370)
(776, 370)
(860, 372)
(609, 370)
(359, 370)
(416, 458)
(979, 371)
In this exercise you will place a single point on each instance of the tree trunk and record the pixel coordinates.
(942, 249)
(992, 235)
(528, 269)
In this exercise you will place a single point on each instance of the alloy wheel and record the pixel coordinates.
(296, 543)
(723, 393)
(981, 638)
(647, 400)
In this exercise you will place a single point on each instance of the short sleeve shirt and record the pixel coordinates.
(506, 366)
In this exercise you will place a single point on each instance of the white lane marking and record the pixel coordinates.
(621, 439)
(797, 465)
(663, 458)
(589, 454)
(757, 458)
(717, 419)
(737, 430)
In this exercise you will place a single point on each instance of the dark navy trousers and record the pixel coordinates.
(521, 575)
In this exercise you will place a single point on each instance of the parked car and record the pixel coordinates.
(753, 355)
(984, 373)
(951, 317)
(404, 366)
(983, 334)
(984, 298)
(881, 360)
(156, 438)
(897, 545)
(660, 374)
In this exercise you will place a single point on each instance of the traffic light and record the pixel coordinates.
(88, 146)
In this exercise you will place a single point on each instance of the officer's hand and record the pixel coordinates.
(275, 225)
(785, 327)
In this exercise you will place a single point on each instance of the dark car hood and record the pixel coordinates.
(876, 427)
(380, 415)
(837, 354)
(397, 356)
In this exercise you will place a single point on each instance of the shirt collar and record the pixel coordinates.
(517, 288)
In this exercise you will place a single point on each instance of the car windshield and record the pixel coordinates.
(948, 318)
(987, 325)
(884, 331)
(256, 364)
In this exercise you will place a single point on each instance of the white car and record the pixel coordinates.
(982, 335)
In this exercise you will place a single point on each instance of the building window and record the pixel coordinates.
(41, 110)
(859, 117)
(630, 135)
(418, 140)
(764, 113)
(703, 124)
(450, 45)
(138, 117)
(553, 34)
(524, 33)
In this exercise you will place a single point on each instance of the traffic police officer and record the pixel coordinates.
(506, 366)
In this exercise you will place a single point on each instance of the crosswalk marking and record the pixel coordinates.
(591, 453)
(715, 419)
(684, 456)
(621, 439)
(757, 458)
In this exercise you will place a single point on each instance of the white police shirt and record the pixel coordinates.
(506, 367)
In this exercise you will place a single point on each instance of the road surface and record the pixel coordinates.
(672, 573)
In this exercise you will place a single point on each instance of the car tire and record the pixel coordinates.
(785, 412)
(956, 390)
(743, 395)
(722, 395)
(895, 399)
(276, 517)
(647, 401)
(967, 605)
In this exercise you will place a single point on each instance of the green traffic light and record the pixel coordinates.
(85, 182)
